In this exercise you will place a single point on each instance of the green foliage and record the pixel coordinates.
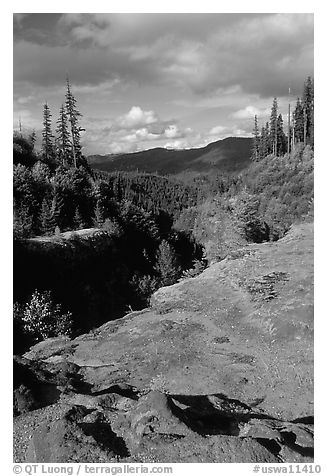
(256, 140)
(63, 142)
(26, 199)
(47, 221)
(41, 318)
(298, 118)
(23, 222)
(283, 187)
(245, 208)
(273, 128)
(214, 226)
(112, 227)
(167, 265)
(198, 267)
(144, 286)
(308, 111)
(73, 116)
(79, 223)
(98, 215)
(150, 192)
(48, 150)
(23, 150)
(273, 140)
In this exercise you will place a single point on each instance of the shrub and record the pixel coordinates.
(42, 318)
(23, 222)
(167, 265)
(144, 286)
(198, 267)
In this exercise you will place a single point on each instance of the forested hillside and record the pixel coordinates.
(231, 154)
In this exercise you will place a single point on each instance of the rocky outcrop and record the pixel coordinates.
(219, 369)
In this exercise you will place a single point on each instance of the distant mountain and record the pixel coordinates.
(230, 155)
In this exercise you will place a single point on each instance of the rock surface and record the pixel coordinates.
(219, 369)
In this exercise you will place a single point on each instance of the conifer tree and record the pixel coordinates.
(256, 140)
(57, 207)
(273, 127)
(308, 110)
(98, 214)
(73, 115)
(63, 137)
(48, 152)
(298, 121)
(264, 143)
(23, 221)
(32, 137)
(166, 264)
(281, 137)
(79, 223)
(46, 219)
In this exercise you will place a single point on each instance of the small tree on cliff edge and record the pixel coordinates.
(166, 264)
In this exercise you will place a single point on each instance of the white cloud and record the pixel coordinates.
(135, 118)
(172, 131)
(217, 130)
(135, 130)
(24, 99)
(249, 112)
(178, 144)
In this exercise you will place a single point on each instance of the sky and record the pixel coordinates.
(159, 80)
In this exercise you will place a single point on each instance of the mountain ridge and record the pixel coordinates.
(231, 154)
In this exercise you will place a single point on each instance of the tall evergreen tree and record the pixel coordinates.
(298, 121)
(256, 140)
(63, 137)
(273, 127)
(308, 110)
(58, 207)
(281, 137)
(48, 152)
(264, 142)
(74, 115)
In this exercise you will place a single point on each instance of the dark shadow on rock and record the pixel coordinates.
(289, 440)
(105, 437)
(270, 445)
(307, 420)
(123, 390)
(219, 415)
(31, 391)
(209, 414)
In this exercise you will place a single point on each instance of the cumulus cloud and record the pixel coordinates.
(249, 112)
(135, 130)
(135, 118)
(217, 130)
